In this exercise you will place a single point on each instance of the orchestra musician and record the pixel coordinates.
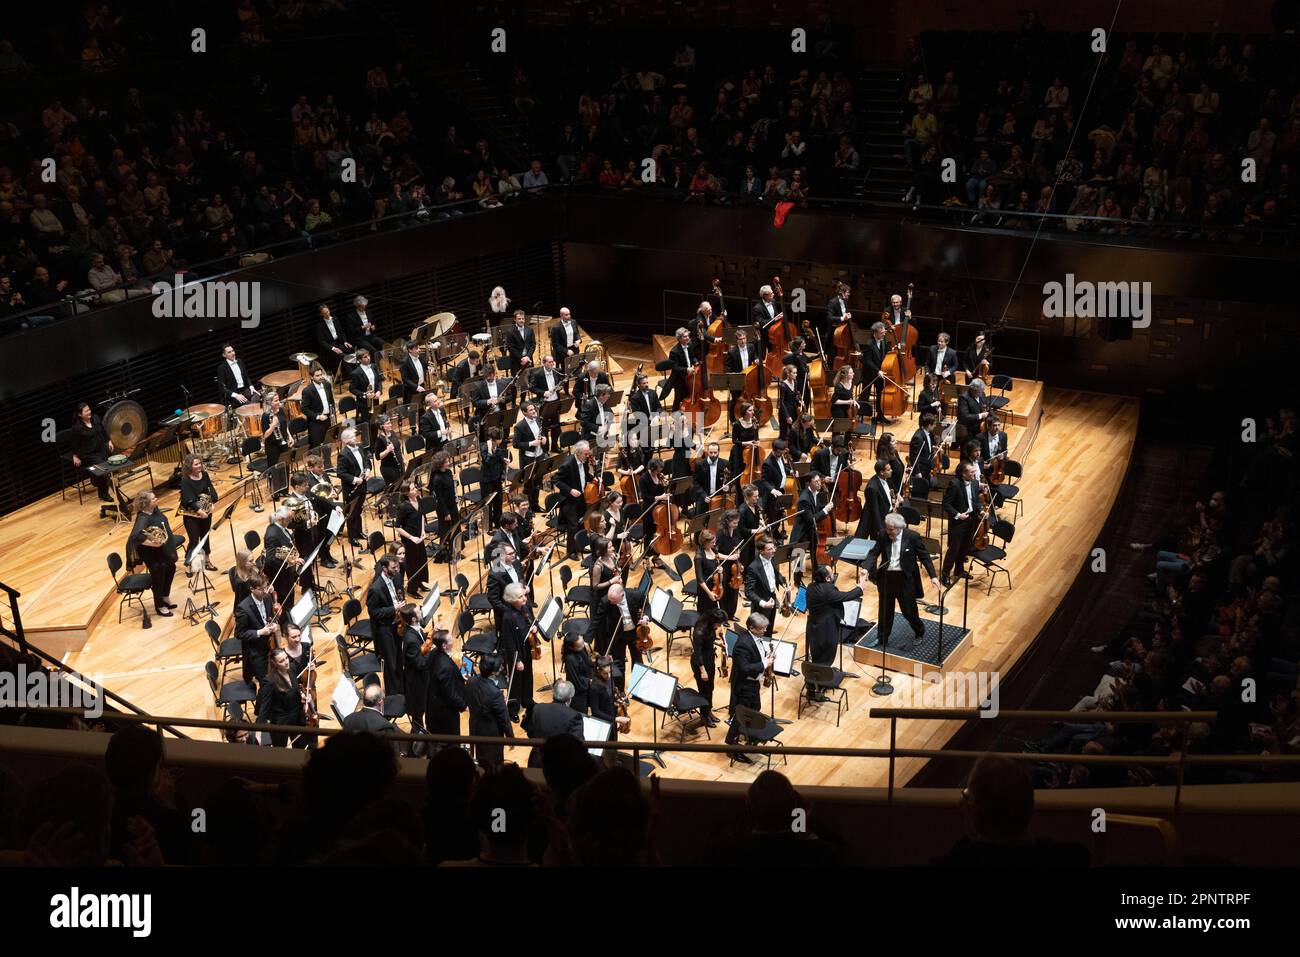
(324, 507)
(416, 662)
(940, 360)
(445, 690)
(971, 452)
(763, 579)
(643, 410)
(435, 429)
(789, 399)
(237, 386)
(711, 474)
(281, 572)
(597, 417)
(383, 598)
(578, 670)
(739, 358)
(159, 559)
(931, 398)
(280, 700)
(442, 486)
(488, 717)
(744, 431)
(764, 313)
(993, 441)
(776, 467)
(257, 618)
(520, 344)
(728, 541)
(972, 408)
(632, 457)
(893, 566)
(529, 439)
(747, 667)
(844, 404)
(276, 437)
(591, 376)
(91, 446)
(509, 533)
(613, 626)
(302, 525)
(837, 309)
(601, 698)
(386, 449)
(565, 338)
(707, 560)
(921, 453)
(961, 506)
(684, 357)
(878, 501)
(546, 384)
(618, 522)
(803, 437)
(413, 372)
(825, 613)
(812, 505)
(505, 570)
(978, 351)
(831, 459)
(887, 449)
(751, 522)
(330, 337)
(571, 480)
(366, 386)
(352, 468)
(198, 522)
(361, 330)
(318, 407)
(467, 369)
(874, 351)
(489, 395)
(605, 570)
(704, 659)
(655, 487)
(494, 461)
(411, 529)
(797, 358)
(513, 642)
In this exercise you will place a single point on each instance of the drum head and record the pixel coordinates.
(126, 423)
(117, 460)
(375, 485)
(442, 322)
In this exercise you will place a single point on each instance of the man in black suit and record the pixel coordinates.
(366, 386)
(512, 640)
(565, 338)
(739, 358)
(993, 441)
(920, 456)
(435, 428)
(494, 461)
(370, 716)
(360, 329)
(773, 479)
(488, 395)
(237, 386)
(529, 438)
(893, 566)
(503, 571)
(764, 312)
(763, 581)
(874, 351)
(508, 533)
(471, 367)
(488, 717)
(382, 601)
(812, 505)
(831, 459)
(318, 407)
(593, 376)
(747, 667)
(413, 372)
(571, 480)
(281, 574)
(353, 468)
(825, 612)
(961, 506)
(520, 343)
(837, 309)
(547, 384)
(711, 474)
(941, 359)
(609, 632)
(552, 719)
(445, 698)
(684, 357)
(597, 418)
(643, 408)
(972, 409)
(255, 625)
(331, 339)
(877, 502)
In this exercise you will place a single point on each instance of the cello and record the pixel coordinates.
(755, 392)
(779, 333)
(717, 357)
(699, 403)
(842, 341)
(668, 533)
(847, 492)
(819, 390)
(899, 365)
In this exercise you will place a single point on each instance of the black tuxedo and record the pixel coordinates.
(583, 389)
(734, 363)
(359, 385)
(825, 611)
(746, 672)
(355, 326)
(256, 648)
(949, 360)
(682, 360)
(353, 479)
(606, 634)
(876, 505)
(573, 507)
(537, 383)
(488, 717)
(969, 408)
(461, 373)
(903, 586)
(805, 519)
(482, 399)
(920, 456)
(873, 357)
(959, 497)
(326, 342)
(226, 378)
(312, 406)
(559, 348)
(445, 695)
(759, 318)
(757, 589)
(700, 480)
(520, 344)
(548, 721)
(592, 418)
(435, 433)
(989, 449)
(512, 641)
(641, 409)
(367, 719)
(383, 617)
(411, 379)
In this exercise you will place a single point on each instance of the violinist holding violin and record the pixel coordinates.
(941, 360)
(281, 700)
(708, 563)
(813, 505)
(728, 541)
(571, 480)
(789, 399)
(744, 432)
(516, 649)
(655, 488)
(701, 338)
(684, 356)
(614, 627)
(923, 448)
(704, 659)
(602, 695)
(803, 437)
(931, 398)
(711, 474)
(776, 469)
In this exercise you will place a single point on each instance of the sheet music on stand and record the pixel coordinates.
(549, 618)
(853, 614)
(655, 688)
(785, 655)
(334, 523)
(345, 698)
(660, 599)
(300, 614)
(594, 729)
(430, 605)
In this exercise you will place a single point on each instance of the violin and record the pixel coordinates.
(311, 714)
(981, 539)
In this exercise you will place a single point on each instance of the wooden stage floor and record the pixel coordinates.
(54, 552)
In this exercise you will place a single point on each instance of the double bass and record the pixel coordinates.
(755, 392)
(842, 342)
(819, 398)
(717, 357)
(899, 365)
(779, 332)
(847, 493)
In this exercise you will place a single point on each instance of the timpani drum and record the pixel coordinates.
(208, 419)
(280, 381)
(250, 417)
(293, 406)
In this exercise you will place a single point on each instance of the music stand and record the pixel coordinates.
(658, 689)
(783, 666)
(703, 520)
(230, 510)
(784, 553)
(195, 612)
(429, 606)
(548, 623)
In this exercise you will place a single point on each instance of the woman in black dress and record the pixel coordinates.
(387, 450)
(843, 403)
(631, 460)
(195, 483)
(706, 563)
(241, 575)
(787, 393)
(91, 446)
(654, 485)
(442, 486)
(930, 399)
(704, 659)
(604, 567)
(618, 525)
(280, 699)
(743, 431)
(727, 543)
(887, 450)
(578, 671)
(410, 528)
(276, 437)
